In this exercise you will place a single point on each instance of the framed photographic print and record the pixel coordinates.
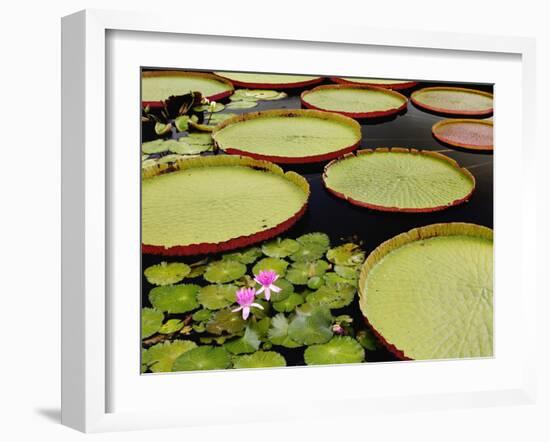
(296, 212)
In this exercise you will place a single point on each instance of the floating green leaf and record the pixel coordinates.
(203, 358)
(280, 248)
(286, 290)
(151, 321)
(260, 359)
(315, 282)
(217, 296)
(334, 280)
(332, 297)
(182, 123)
(171, 326)
(348, 254)
(224, 271)
(163, 129)
(202, 315)
(339, 350)
(241, 104)
(247, 256)
(347, 272)
(155, 146)
(278, 332)
(226, 321)
(261, 326)
(300, 272)
(312, 246)
(175, 298)
(248, 343)
(217, 107)
(167, 273)
(275, 264)
(185, 146)
(197, 271)
(289, 303)
(311, 325)
(161, 357)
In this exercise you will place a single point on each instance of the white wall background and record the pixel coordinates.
(30, 220)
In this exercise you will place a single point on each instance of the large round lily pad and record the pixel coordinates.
(260, 359)
(289, 136)
(167, 273)
(157, 86)
(224, 271)
(217, 296)
(203, 358)
(339, 350)
(179, 298)
(270, 81)
(470, 134)
(454, 100)
(218, 203)
(379, 82)
(428, 293)
(399, 180)
(356, 101)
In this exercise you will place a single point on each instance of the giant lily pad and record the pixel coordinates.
(224, 271)
(271, 81)
(428, 292)
(217, 203)
(179, 298)
(288, 136)
(161, 357)
(356, 101)
(311, 325)
(151, 321)
(399, 180)
(217, 296)
(157, 86)
(167, 273)
(470, 134)
(203, 358)
(339, 350)
(260, 359)
(379, 82)
(454, 100)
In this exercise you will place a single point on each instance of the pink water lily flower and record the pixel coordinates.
(245, 299)
(266, 278)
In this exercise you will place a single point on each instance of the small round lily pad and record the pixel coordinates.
(241, 104)
(339, 350)
(224, 271)
(167, 273)
(151, 321)
(275, 264)
(280, 247)
(260, 359)
(248, 343)
(217, 296)
(171, 326)
(312, 246)
(179, 298)
(203, 358)
(332, 297)
(301, 271)
(289, 303)
(348, 254)
(311, 326)
(155, 146)
(399, 180)
(226, 321)
(286, 290)
(278, 332)
(246, 256)
(161, 357)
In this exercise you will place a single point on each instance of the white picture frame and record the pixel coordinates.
(91, 171)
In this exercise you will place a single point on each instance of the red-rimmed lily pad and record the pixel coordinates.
(288, 136)
(356, 101)
(454, 100)
(217, 203)
(428, 293)
(378, 82)
(157, 86)
(399, 180)
(269, 81)
(470, 134)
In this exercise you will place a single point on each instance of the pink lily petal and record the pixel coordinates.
(256, 305)
(267, 293)
(275, 288)
(262, 288)
(237, 309)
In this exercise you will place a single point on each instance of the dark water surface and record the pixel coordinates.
(341, 220)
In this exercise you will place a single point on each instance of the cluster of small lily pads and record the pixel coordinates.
(248, 98)
(241, 309)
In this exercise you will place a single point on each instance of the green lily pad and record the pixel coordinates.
(334, 280)
(348, 254)
(186, 146)
(278, 332)
(226, 321)
(218, 107)
(148, 163)
(203, 358)
(289, 303)
(167, 273)
(171, 326)
(224, 271)
(241, 104)
(300, 272)
(315, 282)
(217, 296)
(179, 298)
(202, 315)
(367, 340)
(280, 248)
(311, 326)
(155, 146)
(248, 343)
(339, 350)
(286, 290)
(247, 256)
(161, 357)
(260, 359)
(216, 119)
(182, 123)
(276, 264)
(197, 271)
(261, 94)
(163, 129)
(347, 272)
(312, 246)
(332, 297)
(261, 327)
(151, 321)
